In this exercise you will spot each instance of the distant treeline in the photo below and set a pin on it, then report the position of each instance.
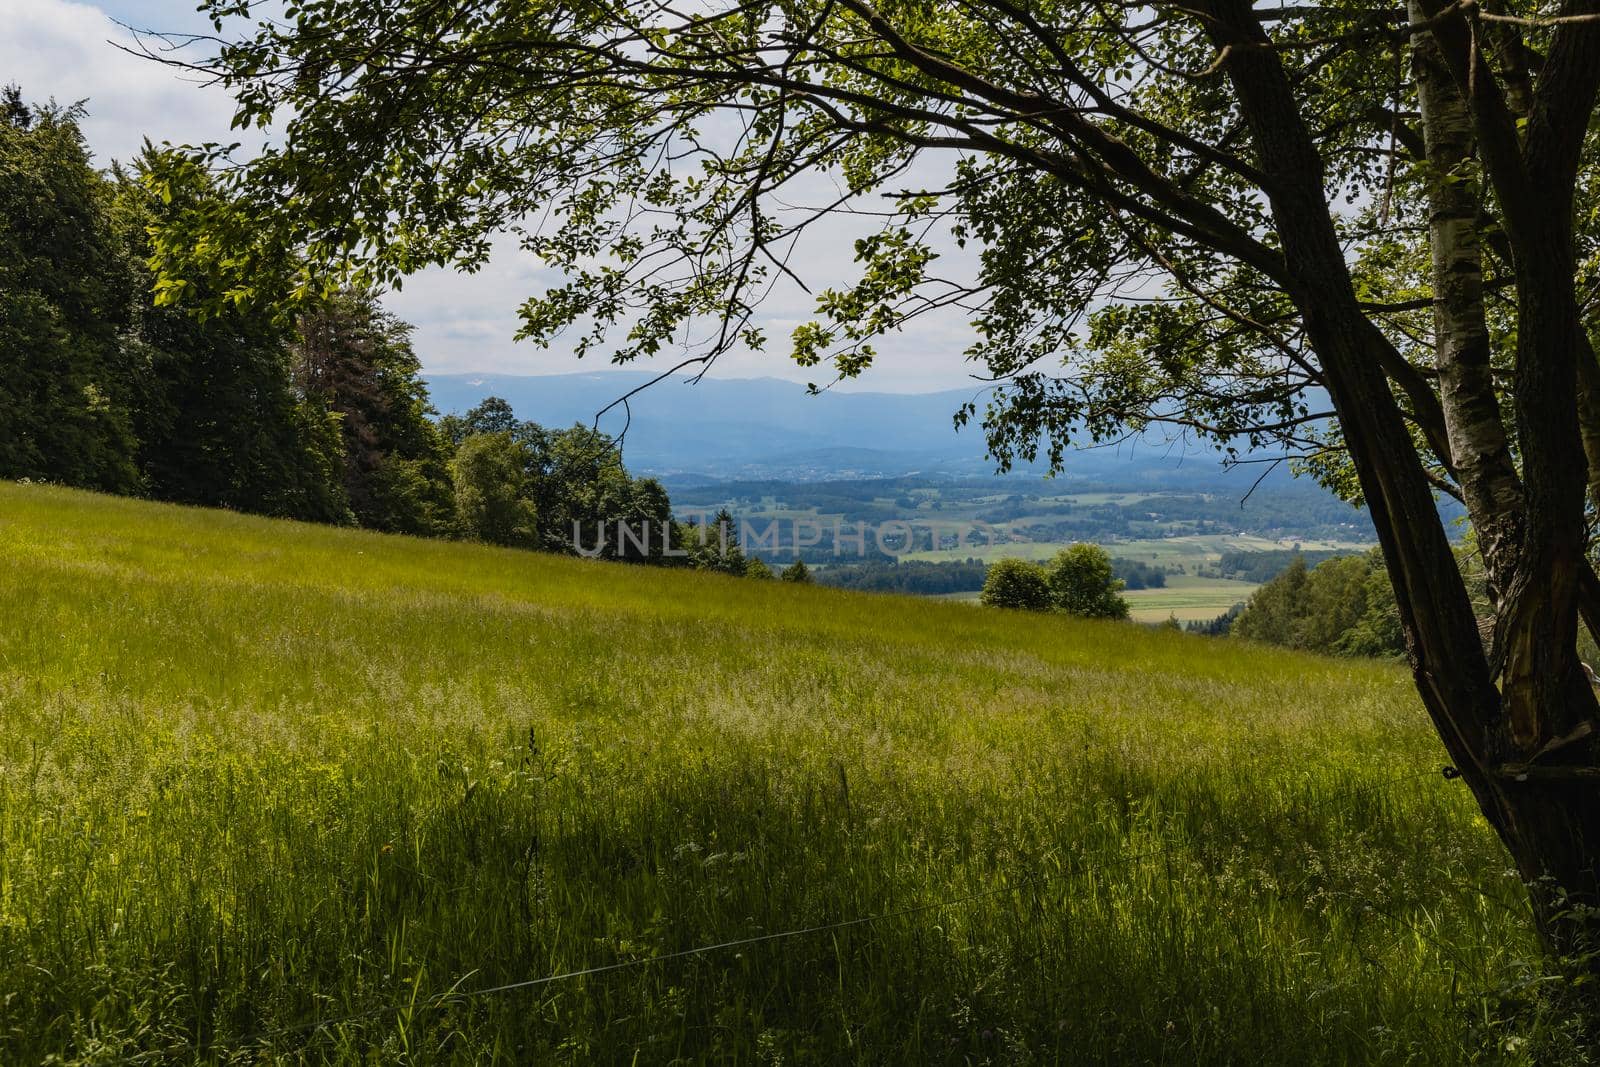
(1219, 626)
(312, 409)
(913, 576)
(1136, 574)
(1263, 565)
(925, 578)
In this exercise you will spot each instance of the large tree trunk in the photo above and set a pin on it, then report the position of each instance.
(1526, 754)
(1551, 710)
(1550, 721)
(1549, 819)
(1480, 454)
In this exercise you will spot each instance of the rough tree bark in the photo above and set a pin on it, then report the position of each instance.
(1525, 749)
(1480, 453)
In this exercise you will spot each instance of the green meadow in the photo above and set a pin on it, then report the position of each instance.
(282, 793)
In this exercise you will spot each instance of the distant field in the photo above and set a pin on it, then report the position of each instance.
(1191, 550)
(1127, 499)
(964, 597)
(1191, 599)
(275, 793)
(1187, 597)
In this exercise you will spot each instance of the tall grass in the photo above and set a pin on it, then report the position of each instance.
(255, 776)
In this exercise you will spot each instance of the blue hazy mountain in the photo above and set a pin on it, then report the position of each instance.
(727, 429)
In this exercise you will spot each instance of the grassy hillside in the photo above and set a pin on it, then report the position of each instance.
(257, 776)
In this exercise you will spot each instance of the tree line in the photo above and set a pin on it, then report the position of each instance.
(318, 414)
(1263, 565)
(917, 577)
(1342, 604)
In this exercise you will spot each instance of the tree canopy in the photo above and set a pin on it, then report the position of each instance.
(310, 407)
(1342, 606)
(1083, 583)
(1018, 584)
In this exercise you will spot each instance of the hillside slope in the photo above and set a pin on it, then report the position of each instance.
(269, 788)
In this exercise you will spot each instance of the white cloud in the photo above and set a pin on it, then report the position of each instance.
(54, 48)
(465, 322)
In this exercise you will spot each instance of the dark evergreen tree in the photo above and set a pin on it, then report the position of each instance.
(65, 296)
(355, 360)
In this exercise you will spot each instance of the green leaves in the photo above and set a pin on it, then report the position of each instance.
(1017, 584)
(1082, 583)
(1078, 581)
(672, 168)
(895, 266)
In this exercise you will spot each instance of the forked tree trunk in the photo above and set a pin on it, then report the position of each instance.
(1550, 824)
(1526, 748)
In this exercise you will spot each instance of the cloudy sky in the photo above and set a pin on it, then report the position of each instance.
(66, 50)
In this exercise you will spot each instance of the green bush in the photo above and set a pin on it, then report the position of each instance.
(1016, 584)
(1082, 583)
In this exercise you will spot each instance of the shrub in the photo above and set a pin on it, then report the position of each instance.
(1082, 583)
(1017, 584)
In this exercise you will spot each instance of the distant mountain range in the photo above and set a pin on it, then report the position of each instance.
(741, 429)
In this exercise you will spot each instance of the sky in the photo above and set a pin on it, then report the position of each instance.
(464, 323)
